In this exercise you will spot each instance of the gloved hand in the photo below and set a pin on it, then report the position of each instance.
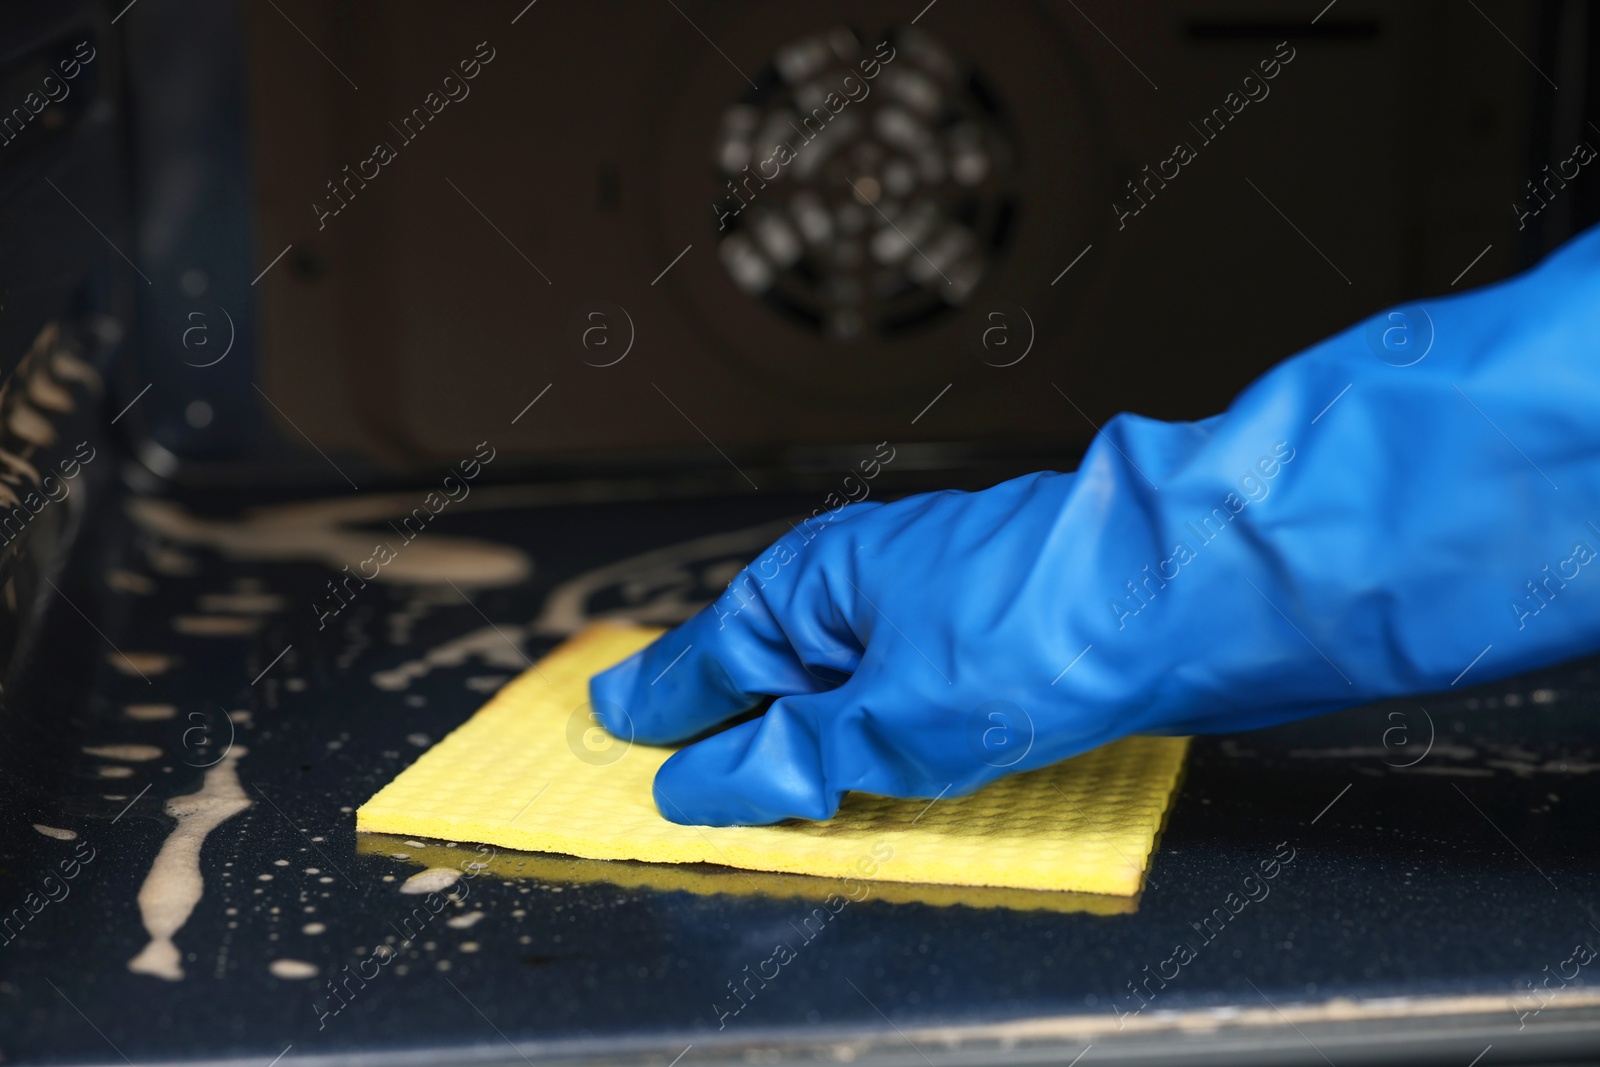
(1350, 529)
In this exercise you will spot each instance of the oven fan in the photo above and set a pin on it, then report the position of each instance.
(860, 207)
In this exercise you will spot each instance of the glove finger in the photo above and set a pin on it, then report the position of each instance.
(758, 772)
(801, 757)
(775, 631)
(702, 674)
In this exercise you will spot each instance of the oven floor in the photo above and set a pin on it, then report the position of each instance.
(1441, 851)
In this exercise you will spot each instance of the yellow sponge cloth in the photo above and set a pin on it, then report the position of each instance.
(532, 771)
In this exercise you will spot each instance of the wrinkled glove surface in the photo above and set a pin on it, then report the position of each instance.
(1408, 504)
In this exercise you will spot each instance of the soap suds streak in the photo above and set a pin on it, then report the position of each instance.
(175, 885)
(124, 581)
(216, 625)
(292, 969)
(240, 603)
(131, 753)
(432, 880)
(327, 532)
(150, 712)
(665, 585)
(493, 645)
(141, 664)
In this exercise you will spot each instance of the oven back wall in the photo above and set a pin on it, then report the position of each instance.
(480, 204)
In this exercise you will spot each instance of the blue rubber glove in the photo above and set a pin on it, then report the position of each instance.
(1409, 504)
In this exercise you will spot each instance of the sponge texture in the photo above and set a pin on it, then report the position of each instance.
(532, 771)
